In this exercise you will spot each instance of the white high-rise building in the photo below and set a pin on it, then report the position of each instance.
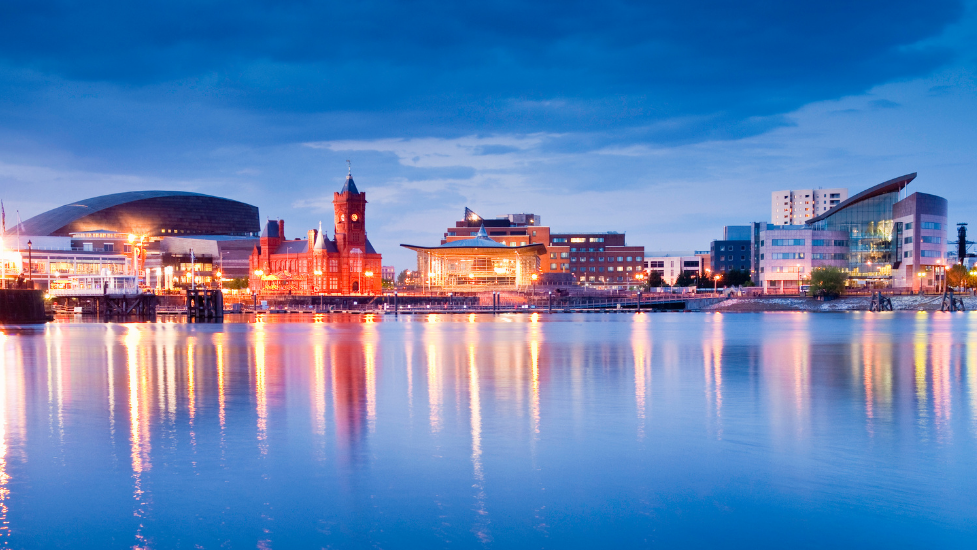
(796, 206)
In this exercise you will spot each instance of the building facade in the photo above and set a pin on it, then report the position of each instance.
(670, 265)
(920, 241)
(788, 254)
(602, 259)
(347, 264)
(796, 206)
(477, 263)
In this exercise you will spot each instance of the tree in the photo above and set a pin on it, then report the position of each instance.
(827, 281)
(685, 279)
(238, 283)
(958, 276)
(402, 276)
(655, 279)
(735, 277)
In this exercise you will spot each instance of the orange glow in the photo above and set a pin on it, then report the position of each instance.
(260, 391)
(433, 388)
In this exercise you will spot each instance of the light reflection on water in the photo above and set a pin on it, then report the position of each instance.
(785, 429)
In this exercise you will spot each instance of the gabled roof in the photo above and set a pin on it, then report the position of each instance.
(892, 186)
(293, 247)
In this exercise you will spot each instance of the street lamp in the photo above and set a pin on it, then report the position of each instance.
(369, 276)
(30, 263)
(798, 279)
(534, 277)
(921, 275)
(715, 284)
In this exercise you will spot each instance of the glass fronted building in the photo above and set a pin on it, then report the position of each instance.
(867, 220)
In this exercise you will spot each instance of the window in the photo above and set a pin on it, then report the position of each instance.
(522, 243)
(573, 259)
(930, 240)
(573, 250)
(620, 259)
(742, 247)
(722, 258)
(841, 243)
(688, 263)
(552, 266)
(333, 266)
(559, 240)
(929, 253)
(787, 242)
(761, 256)
(552, 255)
(601, 269)
(909, 225)
(629, 259)
(629, 268)
(597, 239)
(87, 247)
(108, 247)
(534, 233)
(333, 283)
(564, 255)
(828, 256)
(578, 240)
(722, 248)
(907, 240)
(564, 266)
(658, 263)
(819, 242)
(593, 269)
(600, 259)
(787, 256)
(930, 225)
(573, 269)
(620, 268)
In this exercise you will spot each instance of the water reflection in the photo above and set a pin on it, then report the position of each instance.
(527, 417)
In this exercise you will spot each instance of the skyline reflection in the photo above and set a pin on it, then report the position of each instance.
(268, 420)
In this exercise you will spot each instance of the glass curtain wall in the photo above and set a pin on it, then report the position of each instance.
(870, 235)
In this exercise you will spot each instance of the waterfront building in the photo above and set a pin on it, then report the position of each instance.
(346, 264)
(48, 260)
(880, 244)
(388, 273)
(920, 241)
(478, 263)
(879, 236)
(601, 259)
(796, 206)
(147, 214)
(789, 253)
(671, 264)
(733, 251)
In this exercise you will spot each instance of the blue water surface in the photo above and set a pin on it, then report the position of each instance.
(775, 430)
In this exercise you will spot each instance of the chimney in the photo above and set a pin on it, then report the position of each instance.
(312, 235)
(281, 229)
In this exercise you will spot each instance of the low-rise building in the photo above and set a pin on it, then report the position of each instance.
(671, 264)
(789, 253)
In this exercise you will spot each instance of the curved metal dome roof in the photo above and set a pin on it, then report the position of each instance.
(150, 213)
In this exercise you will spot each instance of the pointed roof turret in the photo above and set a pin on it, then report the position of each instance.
(350, 187)
(320, 240)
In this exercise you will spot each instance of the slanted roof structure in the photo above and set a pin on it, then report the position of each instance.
(891, 186)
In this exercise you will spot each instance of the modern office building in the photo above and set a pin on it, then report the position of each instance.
(789, 253)
(796, 206)
(733, 251)
(671, 264)
(879, 236)
(878, 239)
(478, 263)
(920, 239)
(346, 264)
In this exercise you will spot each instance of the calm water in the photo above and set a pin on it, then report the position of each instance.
(576, 431)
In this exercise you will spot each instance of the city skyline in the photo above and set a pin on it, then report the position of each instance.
(267, 110)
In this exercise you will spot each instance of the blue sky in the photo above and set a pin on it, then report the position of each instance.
(663, 120)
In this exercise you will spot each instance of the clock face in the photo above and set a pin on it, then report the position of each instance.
(354, 217)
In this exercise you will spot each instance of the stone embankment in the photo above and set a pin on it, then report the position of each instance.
(845, 303)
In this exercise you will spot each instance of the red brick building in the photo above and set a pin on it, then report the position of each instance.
(346, 264)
